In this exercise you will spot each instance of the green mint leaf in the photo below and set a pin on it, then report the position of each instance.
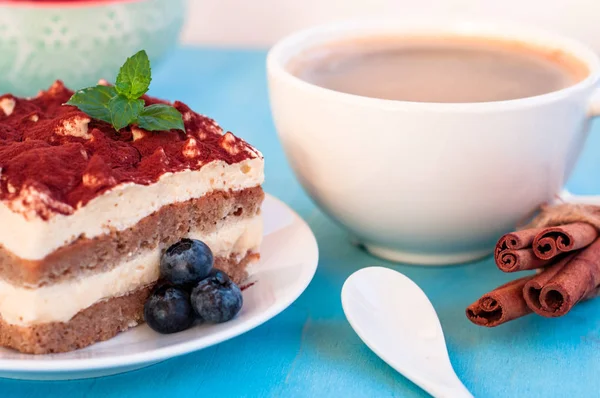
(134, 76)
(160, 117)
(124, 111)
(94, 101)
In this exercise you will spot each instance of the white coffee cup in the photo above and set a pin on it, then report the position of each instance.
(429, 183)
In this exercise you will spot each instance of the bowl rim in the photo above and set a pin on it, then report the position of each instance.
(62, 3)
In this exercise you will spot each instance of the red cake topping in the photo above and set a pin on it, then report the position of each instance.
(55, 158)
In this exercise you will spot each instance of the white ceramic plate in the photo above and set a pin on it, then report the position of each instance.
(289, 257)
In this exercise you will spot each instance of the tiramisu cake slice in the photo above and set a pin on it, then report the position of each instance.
(86, 211)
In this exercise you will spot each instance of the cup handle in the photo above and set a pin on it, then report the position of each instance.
(567, 197)
(595, 104)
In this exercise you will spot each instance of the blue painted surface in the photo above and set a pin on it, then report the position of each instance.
(310, 350)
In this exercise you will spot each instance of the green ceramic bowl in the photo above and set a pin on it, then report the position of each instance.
(80, 41)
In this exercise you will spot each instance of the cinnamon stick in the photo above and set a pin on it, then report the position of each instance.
(519, 260)
(556, 290)
(533, 289)
(501, 305)
(518, 239)
(565, 238)
(513, 251)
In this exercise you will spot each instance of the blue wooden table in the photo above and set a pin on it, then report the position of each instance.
(310, 350)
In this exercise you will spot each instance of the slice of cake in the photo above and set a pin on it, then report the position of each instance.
(86, 211)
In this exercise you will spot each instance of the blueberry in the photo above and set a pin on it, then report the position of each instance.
(217, 299)
(186, 262)
(168, 310)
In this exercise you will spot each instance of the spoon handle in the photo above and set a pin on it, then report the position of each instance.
(453, 390)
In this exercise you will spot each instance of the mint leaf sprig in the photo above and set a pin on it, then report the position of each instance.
(121, 106)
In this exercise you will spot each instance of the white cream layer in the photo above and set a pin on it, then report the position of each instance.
(33, 238)
(60, 302)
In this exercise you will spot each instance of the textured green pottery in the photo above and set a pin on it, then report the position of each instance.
(80, 42)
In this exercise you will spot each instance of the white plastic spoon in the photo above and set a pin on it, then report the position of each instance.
(396, 320)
